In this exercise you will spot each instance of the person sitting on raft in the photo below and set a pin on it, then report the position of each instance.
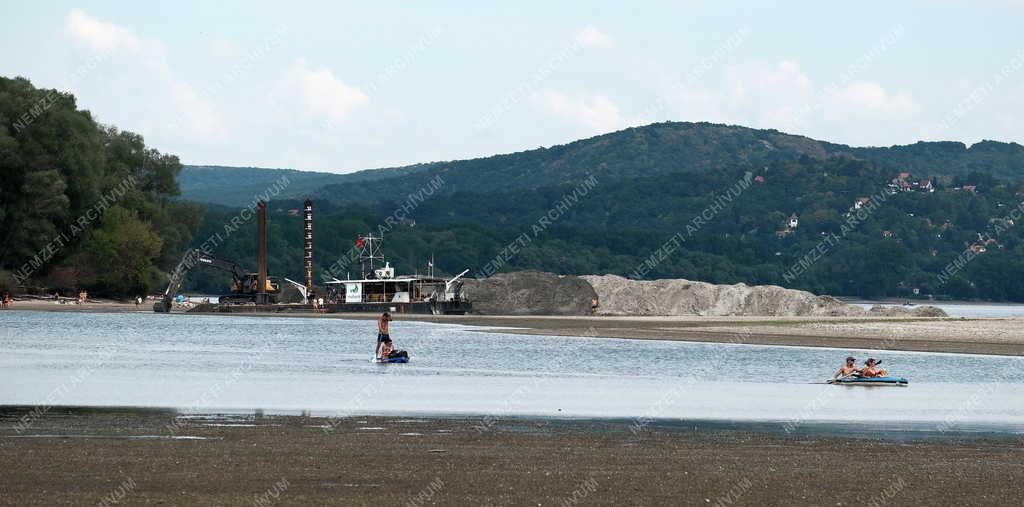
(869, 369)
(848, 370)
(384, 344)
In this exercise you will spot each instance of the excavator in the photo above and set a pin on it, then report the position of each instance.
(243, 283)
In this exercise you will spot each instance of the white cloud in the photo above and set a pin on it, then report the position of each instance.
(592, 37)
(100, 35)
(870, 96)
(783, 96)
(597, 112)
(322, 93)
(192, 113)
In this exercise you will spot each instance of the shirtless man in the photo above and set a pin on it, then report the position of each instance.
(847, 370)
(384, 344)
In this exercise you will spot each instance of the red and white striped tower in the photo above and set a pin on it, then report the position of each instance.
(307, 232)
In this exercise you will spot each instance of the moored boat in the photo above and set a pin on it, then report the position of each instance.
(379, 290)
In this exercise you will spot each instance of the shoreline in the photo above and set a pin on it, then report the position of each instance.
(83, 455)
(980, 335)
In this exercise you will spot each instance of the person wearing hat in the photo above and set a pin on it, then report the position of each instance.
(847, 370)
(869, 369)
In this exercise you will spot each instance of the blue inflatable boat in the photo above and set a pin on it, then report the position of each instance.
(404, 359)
(869, 381)
(398, 356)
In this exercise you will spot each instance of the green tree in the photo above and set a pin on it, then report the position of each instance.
(130, 245)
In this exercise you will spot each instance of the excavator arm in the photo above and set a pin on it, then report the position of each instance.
(191, 259)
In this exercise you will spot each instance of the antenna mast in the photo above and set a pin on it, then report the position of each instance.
(369, 251)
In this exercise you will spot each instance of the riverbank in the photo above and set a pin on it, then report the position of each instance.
(156, 456)
(47, 305)
(995, 336)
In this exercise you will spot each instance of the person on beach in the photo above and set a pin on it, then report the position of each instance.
(847, 370)
(870, 370)
(384, 344)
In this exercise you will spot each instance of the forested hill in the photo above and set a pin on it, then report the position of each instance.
(652, 150)
(939, 220)
(837, 226)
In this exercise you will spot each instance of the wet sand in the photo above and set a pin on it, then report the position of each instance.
(46, 305)
(998, 336)
(88, 456)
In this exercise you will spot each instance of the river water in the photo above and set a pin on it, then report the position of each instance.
(204, 363)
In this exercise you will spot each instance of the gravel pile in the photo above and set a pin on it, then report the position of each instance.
(540, 293)
(899, 311)
(530, 293)
(621, 296)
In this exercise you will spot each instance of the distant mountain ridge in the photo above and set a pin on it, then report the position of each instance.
(651, 150)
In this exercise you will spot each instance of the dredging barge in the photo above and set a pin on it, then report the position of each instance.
(377, 289)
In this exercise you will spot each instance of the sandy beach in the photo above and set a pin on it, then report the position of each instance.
(998, 336)
(154, 457)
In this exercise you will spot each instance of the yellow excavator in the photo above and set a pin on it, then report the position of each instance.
(243, 283)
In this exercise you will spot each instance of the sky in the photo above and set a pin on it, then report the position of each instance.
(343, 86)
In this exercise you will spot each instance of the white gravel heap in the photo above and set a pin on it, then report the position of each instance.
(621, 296)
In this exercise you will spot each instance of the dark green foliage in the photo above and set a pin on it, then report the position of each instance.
(83, 205)
(654, 180)
(620, 223)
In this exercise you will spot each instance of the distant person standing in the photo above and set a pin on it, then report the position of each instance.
(384, 344)
(320, 303)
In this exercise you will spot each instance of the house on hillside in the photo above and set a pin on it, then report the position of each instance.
(788, 227)
(904, 182)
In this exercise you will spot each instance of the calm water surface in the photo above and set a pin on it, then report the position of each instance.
(323, 365)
